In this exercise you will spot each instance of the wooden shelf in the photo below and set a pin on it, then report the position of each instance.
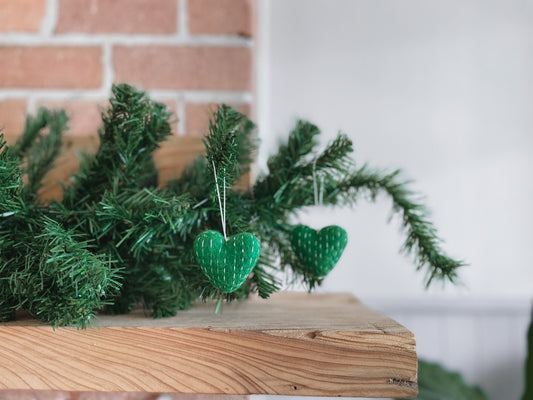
(290, 344)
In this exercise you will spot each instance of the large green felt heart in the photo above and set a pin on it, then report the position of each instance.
(319, 251)
(227, 264)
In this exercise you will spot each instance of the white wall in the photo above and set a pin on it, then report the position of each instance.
(442, 89)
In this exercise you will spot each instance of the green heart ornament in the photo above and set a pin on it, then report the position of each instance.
(319, 251)
(227, 263)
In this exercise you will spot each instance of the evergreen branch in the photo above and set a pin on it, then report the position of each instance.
(228, 147)
(145, 221)
(289, 186)
(228, 144)
(11, 204)
(279, 242)
(281, 175)
(40, 149)
(336, 155)
(421, 237)
(32, 129)
(11, 185)
(63, 281)
(247, 145)
(150, 232)
(159, 283)
(115, 241)
(133, 128)
(43, 152)
(262, 281)
(301, 142)
(296, 191)
(193, 180)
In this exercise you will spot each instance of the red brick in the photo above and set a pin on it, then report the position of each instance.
(21, 15)
(186, 68)
(230, 17)
(50, 67)
(197, 116)
(12, 116)
(117, 16)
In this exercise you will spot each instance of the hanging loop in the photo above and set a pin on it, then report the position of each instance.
(222, 208)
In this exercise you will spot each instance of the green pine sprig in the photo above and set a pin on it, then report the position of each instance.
(228, 144)
(292, 188)
(117, 239)
(421, 235)
(72, 281)
(40, 145)
(133, 128)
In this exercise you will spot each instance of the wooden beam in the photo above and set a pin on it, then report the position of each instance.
(291, 344)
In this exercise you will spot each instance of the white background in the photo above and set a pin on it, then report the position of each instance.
(444, 91)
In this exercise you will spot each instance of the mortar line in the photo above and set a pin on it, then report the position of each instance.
(185, 96)
(53, 94)
(107, 66)
(77, 39)
(183, 19)
(31, 105)
(49, 21)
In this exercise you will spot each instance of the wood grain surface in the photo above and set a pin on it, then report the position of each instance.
(291, 344)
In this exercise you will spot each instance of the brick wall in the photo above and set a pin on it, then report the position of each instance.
(67, 53)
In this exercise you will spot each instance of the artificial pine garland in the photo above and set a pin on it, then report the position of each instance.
(117, 238)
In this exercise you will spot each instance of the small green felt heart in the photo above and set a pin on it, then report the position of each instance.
(319, 251)
(227, 264)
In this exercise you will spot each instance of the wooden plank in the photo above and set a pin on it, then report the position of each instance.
(291, 344)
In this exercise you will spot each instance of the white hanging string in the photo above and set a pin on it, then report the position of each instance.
(321, 192)
(222, 210)
(318, 193)
(224, 206)
(315, 190)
